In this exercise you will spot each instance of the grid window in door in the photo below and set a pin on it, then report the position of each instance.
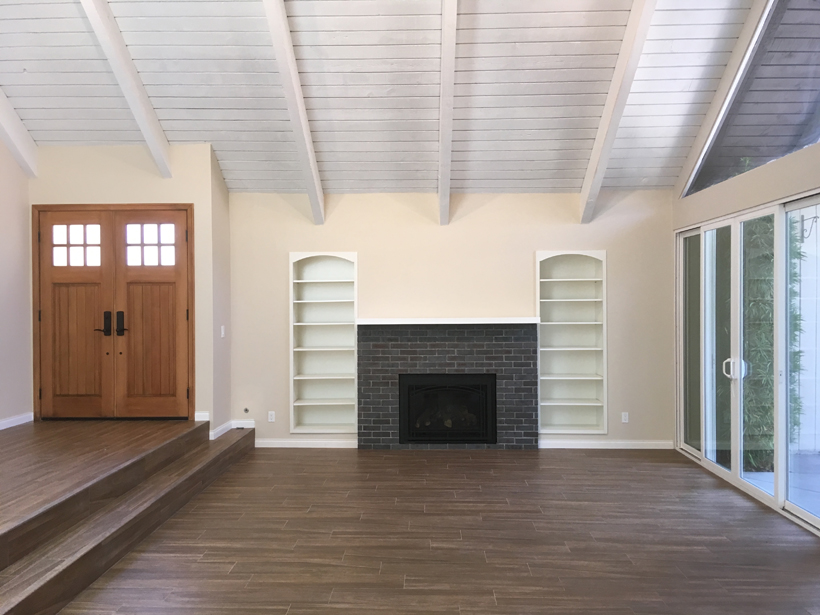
(150, 245)
(75, 245)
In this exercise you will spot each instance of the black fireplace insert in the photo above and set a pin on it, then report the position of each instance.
(447, 408)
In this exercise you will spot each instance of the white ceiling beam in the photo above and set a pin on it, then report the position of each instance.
(640, 18)
(122, 65)
(289, 73)
(17, 138)
(449, 19)
(739, 63)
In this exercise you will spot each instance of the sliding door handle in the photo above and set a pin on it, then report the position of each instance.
(106, 330)
(121, 323)
(730, 374)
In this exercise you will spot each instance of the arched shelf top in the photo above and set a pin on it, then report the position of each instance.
(324, 268)
(577, 266)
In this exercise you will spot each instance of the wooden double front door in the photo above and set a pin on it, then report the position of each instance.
(113, 312)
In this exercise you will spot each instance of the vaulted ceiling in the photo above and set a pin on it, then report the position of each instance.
(343, 96)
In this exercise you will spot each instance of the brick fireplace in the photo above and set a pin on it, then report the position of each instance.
(507, 349)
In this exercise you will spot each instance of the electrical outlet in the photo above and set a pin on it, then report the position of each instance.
(271, 416)
(624, 417)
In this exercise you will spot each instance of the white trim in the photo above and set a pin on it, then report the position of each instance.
(122, 65)
(449, 20)
(226, 427)
(291, 84)
(637, 28)
(304, 443)
(202, 416)
(606, 444)
(19, 419)
(17, 138)
(513, 320)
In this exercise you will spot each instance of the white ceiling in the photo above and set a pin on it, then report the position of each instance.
(532, 78)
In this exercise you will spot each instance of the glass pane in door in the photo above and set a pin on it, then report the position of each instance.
(691, 341)
(803, 358)
(757, 376)
(717, 339)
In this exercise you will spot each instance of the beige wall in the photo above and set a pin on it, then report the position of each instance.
(221, 241)
(15, 290)
(127, 174)
(482, 264)
(789, 177)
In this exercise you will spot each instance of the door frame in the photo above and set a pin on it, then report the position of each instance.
(35, 269)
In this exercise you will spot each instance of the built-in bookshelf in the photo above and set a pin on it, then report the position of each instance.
(572, 342)
(323, 343)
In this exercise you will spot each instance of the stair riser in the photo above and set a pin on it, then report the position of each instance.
(59, 590)
(50, 523)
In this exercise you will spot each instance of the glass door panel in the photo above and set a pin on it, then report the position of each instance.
(757, 351)
(717, 298)
(803, 358)
(691, 341)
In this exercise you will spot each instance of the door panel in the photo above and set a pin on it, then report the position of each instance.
(151, 340)
(76, 285)
(152, 291)
(717, 338)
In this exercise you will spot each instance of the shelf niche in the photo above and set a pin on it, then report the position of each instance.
(571, 297)
(323, 343)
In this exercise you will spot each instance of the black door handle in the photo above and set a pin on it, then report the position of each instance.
(106, 330)
(121, 323)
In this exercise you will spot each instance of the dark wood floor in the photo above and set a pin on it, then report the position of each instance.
(302, 532)
(45, 461)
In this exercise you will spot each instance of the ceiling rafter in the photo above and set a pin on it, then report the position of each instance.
(122, 65)
(736, 69)
(17, 138)
(289, 73)
(449, 20)
(637, 28)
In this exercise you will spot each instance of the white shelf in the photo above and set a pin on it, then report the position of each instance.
(344, 401)
(323, 324)
(324, 281)
(324, 349)
(572, 280)
(325, 301)
(568, 348)
(571, 300)
(323, 343)
(572, 377)
(558, 322)
(572, 402)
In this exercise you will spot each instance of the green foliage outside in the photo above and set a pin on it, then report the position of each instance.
(758, 340)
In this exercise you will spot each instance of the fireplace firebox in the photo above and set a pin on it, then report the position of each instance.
(447, 408)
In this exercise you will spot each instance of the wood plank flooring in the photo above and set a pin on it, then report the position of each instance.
(303, 532)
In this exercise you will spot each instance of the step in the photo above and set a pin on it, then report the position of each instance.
(39, 526)
(47, 579)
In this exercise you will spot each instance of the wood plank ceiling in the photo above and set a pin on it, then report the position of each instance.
(531, 80)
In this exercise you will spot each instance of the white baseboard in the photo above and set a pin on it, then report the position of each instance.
(19, 419)
(605, 444)
(202, 416)
(225, 427)
(304, 443)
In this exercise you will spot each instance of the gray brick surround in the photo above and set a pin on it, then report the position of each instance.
(508, 350)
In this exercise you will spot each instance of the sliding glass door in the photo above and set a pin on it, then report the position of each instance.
(803, 360)
(734, 302)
